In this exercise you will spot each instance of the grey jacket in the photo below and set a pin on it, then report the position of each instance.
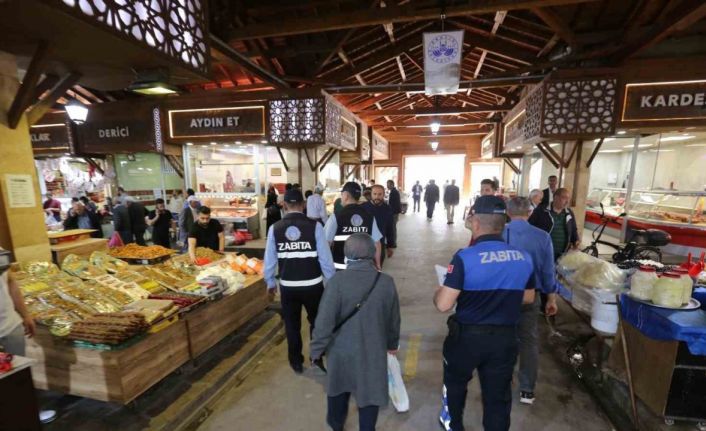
(357, 355)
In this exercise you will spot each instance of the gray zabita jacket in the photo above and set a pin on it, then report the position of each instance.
(357, 354)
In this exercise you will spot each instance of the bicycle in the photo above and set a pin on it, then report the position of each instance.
(643, 243)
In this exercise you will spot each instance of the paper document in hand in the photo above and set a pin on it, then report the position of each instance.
(441, 273)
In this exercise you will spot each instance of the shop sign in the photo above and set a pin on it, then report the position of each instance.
(49, 137)
(365, 149)
(217, 123)
(664, 101)
(118, 128)
(349, 135)
(381, 148)
(514, 131)
(486, 146)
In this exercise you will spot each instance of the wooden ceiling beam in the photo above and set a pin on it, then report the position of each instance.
(687, 13)
(451, 110)
(374, 60)
(556, 23)
(425, 123)
(23, 97)
(224, 51)
(428, 135)
(390, 14)
(44, 105)
(494, 45)
(45, 85)
(504, 81)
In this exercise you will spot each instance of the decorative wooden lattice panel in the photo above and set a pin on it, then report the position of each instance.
(333, 124)
(579, 107)
(297, 121)
(176, 28)
(533, 113)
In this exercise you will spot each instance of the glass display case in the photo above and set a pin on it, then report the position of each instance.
(654, 206)
(613, 201)
(239, 210)
(669, 207)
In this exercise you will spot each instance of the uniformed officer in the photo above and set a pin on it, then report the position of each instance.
(353, 218)
(297, 246)
(488, 282)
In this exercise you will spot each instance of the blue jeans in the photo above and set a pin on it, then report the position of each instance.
(493, 352)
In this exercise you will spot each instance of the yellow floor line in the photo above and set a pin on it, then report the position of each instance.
(412, 356)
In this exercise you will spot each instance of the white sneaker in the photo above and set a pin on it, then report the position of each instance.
(527, 397)
(46, 416)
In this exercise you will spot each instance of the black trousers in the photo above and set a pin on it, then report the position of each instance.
(383, 248)
(493, 352)
(292, 302)
(161, 238)
(338, 411)
(430, 209)
(415, 208)
(139, 237)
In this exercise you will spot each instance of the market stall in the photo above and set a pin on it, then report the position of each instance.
(111, 328)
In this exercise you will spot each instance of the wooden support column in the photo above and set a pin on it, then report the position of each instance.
(576, 178)
(21, 227)
(283, 159)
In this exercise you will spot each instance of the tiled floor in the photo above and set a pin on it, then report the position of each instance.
(273, 398)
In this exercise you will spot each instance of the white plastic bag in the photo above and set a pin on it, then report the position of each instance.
(395, 384)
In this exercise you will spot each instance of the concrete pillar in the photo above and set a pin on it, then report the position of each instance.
(308, 177)
(576, 179)
(21, 229)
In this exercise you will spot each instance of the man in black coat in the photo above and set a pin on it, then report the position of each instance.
(451, 199)
(137, 213)
(431, 197)
(559, 221)
(395, 201)
(81, 218)
(548, 193)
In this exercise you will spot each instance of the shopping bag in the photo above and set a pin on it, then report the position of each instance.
(115, 241)
(398, 393)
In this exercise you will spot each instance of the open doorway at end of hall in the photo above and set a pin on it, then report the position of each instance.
(440, 168)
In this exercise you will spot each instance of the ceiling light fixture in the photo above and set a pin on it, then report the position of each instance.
(611, 151)
(435, 126)
(77, 112)
(622, 132)
(153, 82)
(434, 145)
(189, 144)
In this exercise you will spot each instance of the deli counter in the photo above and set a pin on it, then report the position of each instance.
(240, 210)
(680, 213)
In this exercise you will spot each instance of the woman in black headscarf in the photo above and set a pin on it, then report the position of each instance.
(272, 208)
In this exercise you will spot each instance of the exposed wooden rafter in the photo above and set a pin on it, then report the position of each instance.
(390, 14)
(450, 110)
(23, 98)
(44, 105)
(556, 23)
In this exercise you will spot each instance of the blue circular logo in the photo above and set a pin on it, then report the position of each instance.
(356, 220)
(442, 49)
(292, 233)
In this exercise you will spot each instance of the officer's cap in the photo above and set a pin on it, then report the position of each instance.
(489, 205)
(293, 196)
(353, 188)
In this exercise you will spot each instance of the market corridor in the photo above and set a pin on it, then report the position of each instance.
(273, 398)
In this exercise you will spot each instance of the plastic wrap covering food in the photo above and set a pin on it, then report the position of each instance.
(114, 295)
(80, 267)
(600, 275)
(57, 320)
(107, 262)
(131, 289)
(32, 285)
(233, 279)
(573, 260)
(85, 296)
(79, 310)
(41, 268)
(134, 251)
(668, 291)
(113, 328)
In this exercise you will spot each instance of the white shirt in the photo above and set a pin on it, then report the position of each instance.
(316, 208)
(9, 318)
(176, 205)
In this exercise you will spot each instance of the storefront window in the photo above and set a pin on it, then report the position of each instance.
(329, 177)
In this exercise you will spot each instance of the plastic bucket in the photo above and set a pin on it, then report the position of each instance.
(604, 313)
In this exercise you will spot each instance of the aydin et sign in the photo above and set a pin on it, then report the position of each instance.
(664, 101)
(240, 121)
